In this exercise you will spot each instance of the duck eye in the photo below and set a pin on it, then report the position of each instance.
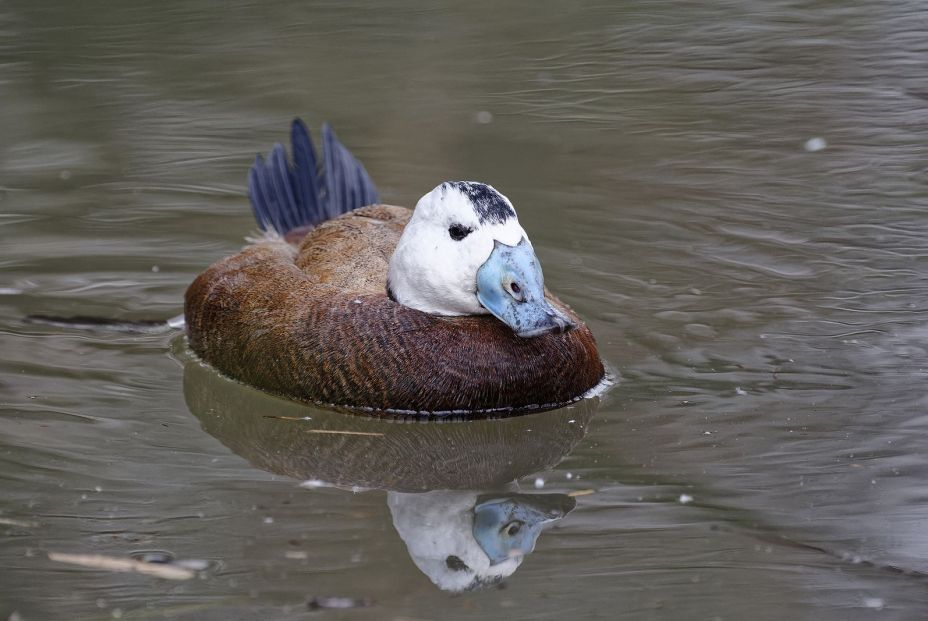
(459, 231)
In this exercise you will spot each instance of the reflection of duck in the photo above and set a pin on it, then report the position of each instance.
(460, 538)
(463, 541)
(352, 451)
(383, 308)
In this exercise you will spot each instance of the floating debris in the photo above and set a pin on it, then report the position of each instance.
(539, 483)
(581, 492)
(168, 571)
(344, 433)
(289, 417)
(319, 603)
(685, 499)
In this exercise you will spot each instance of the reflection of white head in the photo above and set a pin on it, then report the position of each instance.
(438, 528)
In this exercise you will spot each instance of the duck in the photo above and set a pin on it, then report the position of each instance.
(346, 302)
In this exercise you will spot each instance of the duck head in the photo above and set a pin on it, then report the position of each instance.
(463, 252)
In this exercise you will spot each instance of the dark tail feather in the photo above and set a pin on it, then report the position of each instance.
(306, 173)
(286, 196)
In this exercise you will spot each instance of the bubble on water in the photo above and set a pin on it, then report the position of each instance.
(539, 483)
(194, 564)
(876, 603)
(318, 603)
(815, 144)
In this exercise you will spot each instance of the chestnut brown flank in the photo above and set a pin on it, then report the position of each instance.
(315, 324)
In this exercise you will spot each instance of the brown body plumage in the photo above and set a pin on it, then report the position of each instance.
(309, 319)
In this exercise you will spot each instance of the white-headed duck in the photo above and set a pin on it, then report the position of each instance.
(351, 303)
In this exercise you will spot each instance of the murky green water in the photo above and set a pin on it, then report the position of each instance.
(762, 302)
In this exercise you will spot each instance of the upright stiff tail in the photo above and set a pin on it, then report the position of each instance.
(286, 196)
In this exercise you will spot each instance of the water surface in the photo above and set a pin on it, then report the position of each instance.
(760, 298)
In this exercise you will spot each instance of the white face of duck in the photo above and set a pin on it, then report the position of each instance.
(463, 252)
